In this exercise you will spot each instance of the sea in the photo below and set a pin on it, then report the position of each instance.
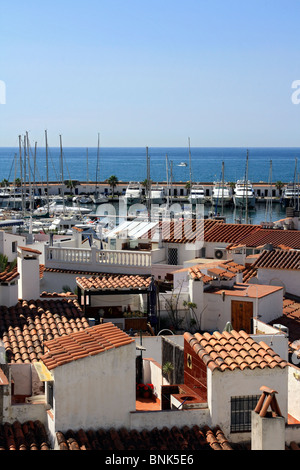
(203, 164)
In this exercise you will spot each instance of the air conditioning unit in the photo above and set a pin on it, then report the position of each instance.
(282, 328)
(220, 253)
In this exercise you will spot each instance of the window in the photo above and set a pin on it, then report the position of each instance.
(173, 256)
(50, 393)
(14, 247)
(241, 408)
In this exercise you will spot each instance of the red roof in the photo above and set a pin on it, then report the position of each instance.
(234, 350)
(229, 233)
(278, 259)
(261, 237)
(88, 342)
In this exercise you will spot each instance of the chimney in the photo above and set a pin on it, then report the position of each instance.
(267, 427)
(29, 270)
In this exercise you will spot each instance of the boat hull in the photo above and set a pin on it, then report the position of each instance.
(242, 201)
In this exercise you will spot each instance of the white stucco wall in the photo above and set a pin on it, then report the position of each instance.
(96, 391)
(9, 294)
(224, 385)
(29, 281)
(294, 391)
(289, 279)
(6, 240)
(218, 312)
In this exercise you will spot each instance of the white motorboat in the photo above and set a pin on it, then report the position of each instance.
(62, 224)
(56, 209)
(182, 164)
(84, 199)
(133, 193)
(244, 194)
(100, 199)
(197, 194)
(157, 195)
(291, 195)
(221, 194)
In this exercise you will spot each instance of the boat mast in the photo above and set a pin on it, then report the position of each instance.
(62, 174)
(222, 187)
(294, 189)
(47, 173)
(246, 182)
(87, 165)
(167, 173)
(15, 180)
(21, 172)
(97, 165)
(270, 198)
(190, 163)
(30, 190)
(148, 186)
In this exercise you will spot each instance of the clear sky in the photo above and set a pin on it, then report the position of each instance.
(150, 73)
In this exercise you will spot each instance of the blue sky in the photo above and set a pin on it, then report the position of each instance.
(150, 73)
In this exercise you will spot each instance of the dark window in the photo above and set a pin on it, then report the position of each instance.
(173, 256)
(14, 247)
(241, 408)
(50, 393)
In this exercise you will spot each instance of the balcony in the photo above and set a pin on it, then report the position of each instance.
(96, 260)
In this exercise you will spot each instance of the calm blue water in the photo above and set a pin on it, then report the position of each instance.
(129, 164)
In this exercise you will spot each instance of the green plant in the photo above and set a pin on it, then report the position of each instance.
(3, 262)
(112, 181)
(167, 370)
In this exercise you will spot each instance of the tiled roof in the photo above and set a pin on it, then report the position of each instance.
(9, 274)
(234, 350)
(229, 233)
(175, 439)
(30, 435)
(29, 250)
(279, 259)
(261, 237)
(113, 281)
(196, 273)
(182, 231)
(25, 327)
(224, 269)
(88, 342)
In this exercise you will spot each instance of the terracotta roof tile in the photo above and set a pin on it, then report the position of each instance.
(25, 327)
(30, 250)
(177, 439)
(9, 274)
(278, 259)
(30, 435)
(230, 233)
(114, 281)
(88, 342)
(229, 351)
(275, 237)
(181, 231)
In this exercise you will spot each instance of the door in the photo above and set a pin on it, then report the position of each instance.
(241, 315)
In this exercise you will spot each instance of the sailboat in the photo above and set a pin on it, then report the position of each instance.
(244, 195)
(221, 193)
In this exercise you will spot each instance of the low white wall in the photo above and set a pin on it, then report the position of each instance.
(25, 412)
(140, 420)
(287, 278)
(294, 391)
